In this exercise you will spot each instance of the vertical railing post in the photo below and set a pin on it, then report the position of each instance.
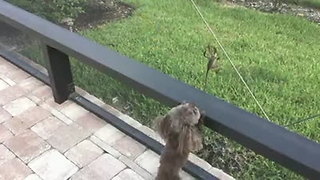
(59, 69)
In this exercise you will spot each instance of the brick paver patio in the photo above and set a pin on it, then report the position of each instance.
(40, 139)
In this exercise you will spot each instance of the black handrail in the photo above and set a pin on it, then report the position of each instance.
(266, 138)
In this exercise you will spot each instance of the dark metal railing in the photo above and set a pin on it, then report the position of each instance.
(274, 142)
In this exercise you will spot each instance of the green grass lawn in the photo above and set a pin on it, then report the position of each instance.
(278, 55)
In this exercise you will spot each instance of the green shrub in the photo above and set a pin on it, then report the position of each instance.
(54, 10)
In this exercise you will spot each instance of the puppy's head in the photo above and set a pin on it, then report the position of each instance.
(182, 122)
(184, 114)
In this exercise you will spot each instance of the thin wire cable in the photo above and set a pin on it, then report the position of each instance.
(234, 67)
(303, 120)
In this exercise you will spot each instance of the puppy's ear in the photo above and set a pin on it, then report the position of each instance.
(195, 141)
(190, 139)
(162, 125)
(183, 139)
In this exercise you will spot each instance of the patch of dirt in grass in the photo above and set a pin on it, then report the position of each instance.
(310, 13)
(94, 15)
(99, 14)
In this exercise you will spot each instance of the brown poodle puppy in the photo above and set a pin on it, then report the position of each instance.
(180, 129)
